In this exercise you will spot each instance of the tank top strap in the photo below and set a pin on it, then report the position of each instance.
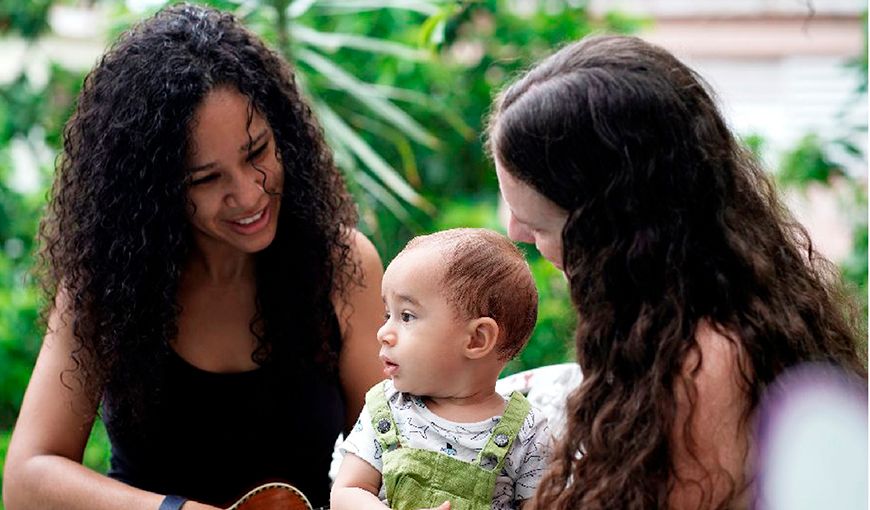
(504, 433)
(382, 417)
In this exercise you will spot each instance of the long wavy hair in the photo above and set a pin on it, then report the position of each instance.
(116, 235)
(671, 223)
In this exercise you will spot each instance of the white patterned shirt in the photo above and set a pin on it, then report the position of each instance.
(418, 427)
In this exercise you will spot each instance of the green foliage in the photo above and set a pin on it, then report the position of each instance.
(808, 163)
(98, 451)
(5, 435)
(859, 64)
(28, 19)
(32, 116)
(19, 303)
(19, 337)
(755, 143)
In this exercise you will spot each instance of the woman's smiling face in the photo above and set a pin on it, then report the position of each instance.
(235, 177)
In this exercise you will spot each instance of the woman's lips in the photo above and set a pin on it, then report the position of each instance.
(254, 226)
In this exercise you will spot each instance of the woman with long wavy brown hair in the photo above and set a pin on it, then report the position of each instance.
(694, 287)
(207, 288)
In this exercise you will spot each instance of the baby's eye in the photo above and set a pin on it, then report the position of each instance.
(386, 316)
(406, 317)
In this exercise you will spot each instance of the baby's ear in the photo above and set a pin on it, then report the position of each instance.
(482, 337)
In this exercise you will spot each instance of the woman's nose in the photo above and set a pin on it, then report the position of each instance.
(519, 232)
(246, 189)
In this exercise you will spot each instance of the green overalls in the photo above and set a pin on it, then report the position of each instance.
(415, 478)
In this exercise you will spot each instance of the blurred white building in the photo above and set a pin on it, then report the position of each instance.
(780, 67)
(781, 70)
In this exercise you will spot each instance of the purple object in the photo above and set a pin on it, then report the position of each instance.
(812, 441)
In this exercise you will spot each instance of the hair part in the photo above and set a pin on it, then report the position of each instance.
(485, 275)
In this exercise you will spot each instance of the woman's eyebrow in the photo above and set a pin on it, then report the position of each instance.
(253, 141)
(199, 168)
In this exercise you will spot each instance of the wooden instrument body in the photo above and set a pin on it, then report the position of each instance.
(273, 496)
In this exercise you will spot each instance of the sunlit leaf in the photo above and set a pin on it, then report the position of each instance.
(367, 95)
(432, 30)
(339, 132)
(334, 41)
(299, 7)
(356, 6)
(379, 193)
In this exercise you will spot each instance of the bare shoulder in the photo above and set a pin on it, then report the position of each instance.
(719, 364)
(367, 269)
(365, 253)
(360, 311)
(711, 402)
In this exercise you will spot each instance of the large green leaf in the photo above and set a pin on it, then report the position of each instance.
(340, 134)
(367, 95)
(357, 6)
(334, 41)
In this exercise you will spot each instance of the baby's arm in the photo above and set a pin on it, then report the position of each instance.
(356, 486)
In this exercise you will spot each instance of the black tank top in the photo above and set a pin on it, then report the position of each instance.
(211, 437)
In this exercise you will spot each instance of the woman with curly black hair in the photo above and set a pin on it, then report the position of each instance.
(211, 295)
(693, 286)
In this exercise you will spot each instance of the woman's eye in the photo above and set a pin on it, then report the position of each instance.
(203, 179)
(258, 153)
(386, 316)
(406, 317)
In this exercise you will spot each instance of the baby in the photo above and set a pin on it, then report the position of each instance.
(459, 305)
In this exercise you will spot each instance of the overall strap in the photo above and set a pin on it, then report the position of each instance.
(504, 434)
(382, 417)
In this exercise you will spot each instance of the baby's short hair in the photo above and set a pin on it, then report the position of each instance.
(485, 275)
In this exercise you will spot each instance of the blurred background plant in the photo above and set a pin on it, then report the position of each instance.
(402, 89)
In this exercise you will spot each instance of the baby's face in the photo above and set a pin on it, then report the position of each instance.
(422, 339)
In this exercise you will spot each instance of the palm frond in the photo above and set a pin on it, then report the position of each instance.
(428, 8)
(339, 133)
(334, 41)
(367, 95)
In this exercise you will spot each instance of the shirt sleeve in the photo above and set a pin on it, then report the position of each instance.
(362, 441)
(529, 455)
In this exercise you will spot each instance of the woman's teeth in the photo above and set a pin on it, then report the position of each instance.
(250, 219)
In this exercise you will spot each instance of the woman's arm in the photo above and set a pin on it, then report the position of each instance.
(720, 437)
(43, 465)
(360, 313)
